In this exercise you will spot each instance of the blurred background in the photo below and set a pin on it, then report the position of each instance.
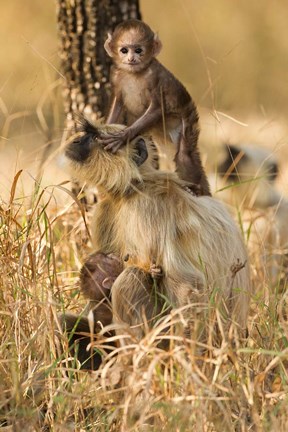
(231, 55)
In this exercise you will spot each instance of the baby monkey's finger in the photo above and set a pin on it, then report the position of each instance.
(113, 146)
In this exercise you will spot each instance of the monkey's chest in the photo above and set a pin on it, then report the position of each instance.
(142, 236)
(135, 96)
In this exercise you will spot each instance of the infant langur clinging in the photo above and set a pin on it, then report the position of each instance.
(155, 101)
(159, 231)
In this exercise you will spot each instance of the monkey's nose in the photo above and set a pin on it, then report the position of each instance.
(131, 59)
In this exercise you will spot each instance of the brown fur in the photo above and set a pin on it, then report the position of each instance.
(96, 279)
(149, 216)
(97, 276)
(156, 102)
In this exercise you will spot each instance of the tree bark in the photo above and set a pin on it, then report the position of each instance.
(83, 26)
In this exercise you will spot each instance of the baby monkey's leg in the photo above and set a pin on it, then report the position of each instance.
(188, 161)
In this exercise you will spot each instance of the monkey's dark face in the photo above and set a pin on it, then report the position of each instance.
(114, 173)
(86, 145)
(244, 163)
(80, 149)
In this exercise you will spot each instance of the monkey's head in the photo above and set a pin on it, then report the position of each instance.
(132, 45)
(242, 163)
(254, 171)
(113, 173)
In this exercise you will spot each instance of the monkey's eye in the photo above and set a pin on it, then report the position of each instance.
(138, 50)
(124, 50)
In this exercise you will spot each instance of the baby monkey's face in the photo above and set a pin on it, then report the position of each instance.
(133, 52)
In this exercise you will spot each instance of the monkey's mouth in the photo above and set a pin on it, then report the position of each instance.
(132, 64)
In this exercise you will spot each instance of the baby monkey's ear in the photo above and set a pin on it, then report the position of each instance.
(107, 45)
(157, 45)
(141, 153)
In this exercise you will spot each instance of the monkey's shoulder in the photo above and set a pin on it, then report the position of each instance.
(165, 82)
(171, 87)
(164, 190)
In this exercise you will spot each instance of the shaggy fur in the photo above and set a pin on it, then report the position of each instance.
(148, 218)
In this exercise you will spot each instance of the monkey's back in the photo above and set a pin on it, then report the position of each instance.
(192, 238)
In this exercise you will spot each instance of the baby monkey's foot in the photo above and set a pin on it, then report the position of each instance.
(193, 189)
(112, 142)
(156, 271)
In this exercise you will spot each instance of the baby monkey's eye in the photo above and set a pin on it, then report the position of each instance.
(124, 50)
(138, 50)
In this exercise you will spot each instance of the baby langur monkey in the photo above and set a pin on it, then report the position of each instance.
(150, 222)
(97, 276)
(155, 101)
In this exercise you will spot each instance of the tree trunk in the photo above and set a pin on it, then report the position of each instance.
(83, 26)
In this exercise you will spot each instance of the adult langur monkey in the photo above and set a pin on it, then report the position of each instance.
(158, 231)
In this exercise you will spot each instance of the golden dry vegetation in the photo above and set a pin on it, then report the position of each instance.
(232, 56)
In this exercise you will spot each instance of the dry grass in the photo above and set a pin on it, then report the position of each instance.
(227, 387)
(43, 237)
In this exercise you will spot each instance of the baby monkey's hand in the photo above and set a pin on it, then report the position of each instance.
(156, 271)
(114, 141)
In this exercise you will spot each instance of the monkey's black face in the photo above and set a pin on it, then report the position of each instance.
(272, 171)
(244, 163)
(231, 165)
(80, 149)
